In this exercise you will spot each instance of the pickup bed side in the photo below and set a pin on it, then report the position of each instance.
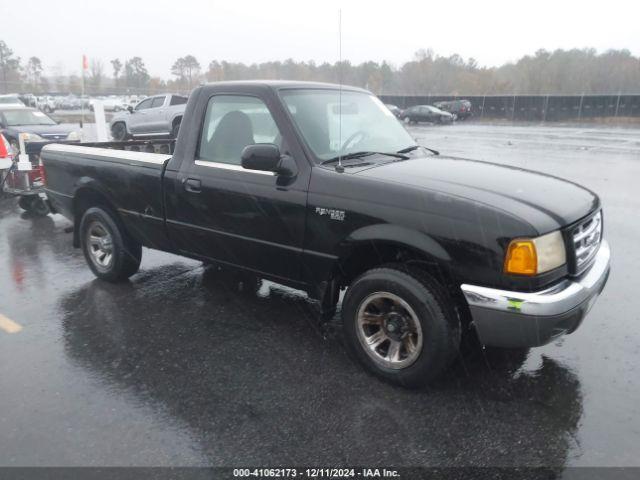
(127, 181)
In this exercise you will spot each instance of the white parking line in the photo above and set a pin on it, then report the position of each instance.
(9, 325)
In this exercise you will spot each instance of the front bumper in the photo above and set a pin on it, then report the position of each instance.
(517, 319)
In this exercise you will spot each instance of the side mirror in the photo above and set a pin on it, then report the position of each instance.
(261, 156)
(130, 108)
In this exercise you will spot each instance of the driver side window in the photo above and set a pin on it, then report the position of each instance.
(144, 104)
(231, 123)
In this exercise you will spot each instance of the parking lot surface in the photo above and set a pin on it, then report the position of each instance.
(186, 365)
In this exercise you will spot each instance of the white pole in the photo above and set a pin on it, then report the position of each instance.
(101, 121)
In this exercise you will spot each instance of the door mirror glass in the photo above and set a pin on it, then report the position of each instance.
(261, 156)
(130, 108)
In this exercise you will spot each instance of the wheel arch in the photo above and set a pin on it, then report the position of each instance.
(123, 121)
(88, 194)
(377, 245)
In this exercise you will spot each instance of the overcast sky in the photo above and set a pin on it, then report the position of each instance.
(493, 32)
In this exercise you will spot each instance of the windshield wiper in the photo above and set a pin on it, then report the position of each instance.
(415, 147)
(349, 156)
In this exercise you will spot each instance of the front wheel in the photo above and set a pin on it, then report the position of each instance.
(401, 325)
(110, 252)
(119, 132)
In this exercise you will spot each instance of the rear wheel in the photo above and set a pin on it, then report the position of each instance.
(34, 205)
(110, 252)
(176, 128)
(119, 132)
(401, 325)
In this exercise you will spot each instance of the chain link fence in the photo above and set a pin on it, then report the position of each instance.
(534, 107)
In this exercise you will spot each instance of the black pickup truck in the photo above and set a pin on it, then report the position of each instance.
(320, 188)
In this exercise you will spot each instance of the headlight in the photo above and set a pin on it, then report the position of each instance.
(31, 137)
(531, 256)
(73, 136)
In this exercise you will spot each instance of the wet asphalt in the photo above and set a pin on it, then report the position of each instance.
(187, 365)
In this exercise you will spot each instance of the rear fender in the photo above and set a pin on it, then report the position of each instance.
(89, 190)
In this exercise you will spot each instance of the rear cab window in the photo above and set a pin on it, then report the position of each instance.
(178, 100)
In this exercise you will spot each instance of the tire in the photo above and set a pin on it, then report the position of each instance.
(435, 343)
(24, 203)
(119, 132)
(34, 205)
(110, 238)
(176, 129)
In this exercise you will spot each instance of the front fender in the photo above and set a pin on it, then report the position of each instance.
(394, 234)
(121, 117)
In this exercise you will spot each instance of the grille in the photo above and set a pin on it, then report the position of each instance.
(586, 240)
(53, 136)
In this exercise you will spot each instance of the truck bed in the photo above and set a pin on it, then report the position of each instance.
(73, 170)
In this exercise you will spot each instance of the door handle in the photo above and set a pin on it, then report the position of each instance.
(192, 185)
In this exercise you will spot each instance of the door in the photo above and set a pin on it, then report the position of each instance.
(157, 123)
(221, 211)
(139, 117)
(425, 114)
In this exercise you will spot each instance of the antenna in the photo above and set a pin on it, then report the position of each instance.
(339, 167)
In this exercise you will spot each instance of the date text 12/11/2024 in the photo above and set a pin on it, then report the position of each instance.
(315, 473)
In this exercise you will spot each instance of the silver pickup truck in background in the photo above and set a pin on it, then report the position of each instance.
(156, 116)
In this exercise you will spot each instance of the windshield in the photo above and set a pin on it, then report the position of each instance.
(367, 125)
(10, 101)
(26, 117)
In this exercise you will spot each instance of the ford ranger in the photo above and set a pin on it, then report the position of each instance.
(320, 188)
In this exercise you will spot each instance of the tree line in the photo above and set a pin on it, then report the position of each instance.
(576, 71)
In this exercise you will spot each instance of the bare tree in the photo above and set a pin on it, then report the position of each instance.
(116, 64)
(96, 74)
(187, 69)
(34, 72)
(9, 66)
(136, 74)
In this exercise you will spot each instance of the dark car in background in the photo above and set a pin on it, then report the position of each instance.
(36, 125)
(461, 109)
(426, 113)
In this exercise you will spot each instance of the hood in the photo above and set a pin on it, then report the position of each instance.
(546, 202)
(49, 132)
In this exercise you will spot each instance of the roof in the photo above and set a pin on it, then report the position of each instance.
(284, 84)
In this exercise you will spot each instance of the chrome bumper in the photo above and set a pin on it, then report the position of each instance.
(515, 319)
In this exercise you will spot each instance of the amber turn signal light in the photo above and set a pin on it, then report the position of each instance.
(522, 258)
